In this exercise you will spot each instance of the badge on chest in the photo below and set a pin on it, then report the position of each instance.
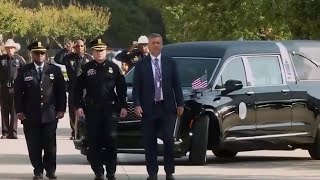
(3, 62)
(110, 70)
(72, 62)
(51, 76)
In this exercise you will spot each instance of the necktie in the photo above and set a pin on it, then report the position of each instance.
(39, 72)
(157, 80)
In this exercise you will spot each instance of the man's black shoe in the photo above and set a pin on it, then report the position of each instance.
(169, 177)
(52, 176)
(111, 177)
(37, 177)
(154, 177)
(12, 137)
(4, 136)
(99, 177)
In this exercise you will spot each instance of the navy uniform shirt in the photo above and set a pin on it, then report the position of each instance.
(9, 68)
(130, 57)
(104, 84)
(74, 63)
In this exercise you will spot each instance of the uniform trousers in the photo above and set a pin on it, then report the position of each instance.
(101, 125)
(8, 114)
(41, 139)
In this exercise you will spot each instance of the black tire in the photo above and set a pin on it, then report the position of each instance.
(199, 141)
(224, 153)
(314, 149)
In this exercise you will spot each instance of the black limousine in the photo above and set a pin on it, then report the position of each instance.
(259, 95)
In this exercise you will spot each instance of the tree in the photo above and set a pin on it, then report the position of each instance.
(230, 19)
(52, 22)
(14, 21)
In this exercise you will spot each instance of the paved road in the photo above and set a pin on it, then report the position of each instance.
(256, 165)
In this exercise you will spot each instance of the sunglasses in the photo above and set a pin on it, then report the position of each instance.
(39, 52)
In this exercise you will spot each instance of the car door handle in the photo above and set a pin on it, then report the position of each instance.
(249, 93)
(285, 90)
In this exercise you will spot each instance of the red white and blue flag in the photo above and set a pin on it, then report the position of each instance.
(200, 83)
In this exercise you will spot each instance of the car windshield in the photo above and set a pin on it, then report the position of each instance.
(189, 68)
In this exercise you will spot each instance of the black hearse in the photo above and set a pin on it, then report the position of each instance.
(259, 95)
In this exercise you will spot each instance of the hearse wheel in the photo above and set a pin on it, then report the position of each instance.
(314, 149)
(224, 153)
(199, 141)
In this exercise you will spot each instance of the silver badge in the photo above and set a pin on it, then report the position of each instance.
(51, 76)
(110, 70)
(3, 62)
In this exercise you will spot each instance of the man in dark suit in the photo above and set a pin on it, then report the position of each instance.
(40, 100)
(158, 99)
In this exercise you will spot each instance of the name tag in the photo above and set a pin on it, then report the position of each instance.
(28, 78)
(91, 72)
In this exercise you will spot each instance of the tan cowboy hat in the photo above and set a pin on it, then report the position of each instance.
(11, 43)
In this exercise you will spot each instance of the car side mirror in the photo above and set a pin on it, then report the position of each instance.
(232, 85)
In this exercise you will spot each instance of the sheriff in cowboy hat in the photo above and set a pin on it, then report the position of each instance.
(11, 44)
(9, 64)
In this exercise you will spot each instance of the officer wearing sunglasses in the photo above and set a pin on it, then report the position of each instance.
(74, 62)
(40, 101)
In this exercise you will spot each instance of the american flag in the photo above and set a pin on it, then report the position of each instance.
(200, 83)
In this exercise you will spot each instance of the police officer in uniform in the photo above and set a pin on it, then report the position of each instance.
(105, 98)
(131, 57)
(74, 62)
(68, 48)
(10, 62)
(40, 100)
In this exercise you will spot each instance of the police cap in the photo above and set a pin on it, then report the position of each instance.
(37, 46)
(98, 44)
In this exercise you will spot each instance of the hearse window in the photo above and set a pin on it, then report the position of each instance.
(189, 68)
(192, 68)
(265, 70)
(233, 71)
(305, 69)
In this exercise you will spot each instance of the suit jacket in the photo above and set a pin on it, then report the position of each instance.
(143, 85)
(40, 99)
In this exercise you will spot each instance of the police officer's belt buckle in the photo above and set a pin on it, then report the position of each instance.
(9, 85)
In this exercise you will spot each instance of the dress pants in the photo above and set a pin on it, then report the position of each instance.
(8, 114)
(159, 122)
(101, 125)
(72, 109)
(41, 137)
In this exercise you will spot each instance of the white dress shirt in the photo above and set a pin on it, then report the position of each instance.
(154, 71)
(37, 66)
